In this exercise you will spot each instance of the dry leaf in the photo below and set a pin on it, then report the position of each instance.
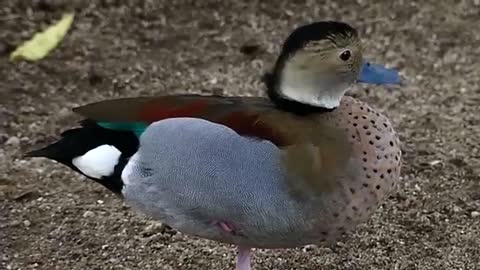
(42, 43)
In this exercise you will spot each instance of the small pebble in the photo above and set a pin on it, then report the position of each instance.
(88, 214)
(64, 113)
(475, 214)
(434, 162)
(153, 228)
(27, 223)
(308, 248)
(13, 141)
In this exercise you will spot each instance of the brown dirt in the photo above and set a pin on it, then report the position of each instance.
(50, 218)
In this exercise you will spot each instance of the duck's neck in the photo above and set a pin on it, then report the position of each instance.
(292, 105)
(299, 86)
(275, 93)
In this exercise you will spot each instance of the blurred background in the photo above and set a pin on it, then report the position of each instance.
(51, 219)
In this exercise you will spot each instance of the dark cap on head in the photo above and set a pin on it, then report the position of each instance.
(325, 30)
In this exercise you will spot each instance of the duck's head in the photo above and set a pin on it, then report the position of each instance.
(318, 63)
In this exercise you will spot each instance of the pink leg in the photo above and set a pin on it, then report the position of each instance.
(243, 258)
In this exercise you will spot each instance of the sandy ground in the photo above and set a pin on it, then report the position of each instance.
(51, 218)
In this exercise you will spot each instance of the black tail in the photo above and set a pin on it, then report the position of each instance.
(78, 141)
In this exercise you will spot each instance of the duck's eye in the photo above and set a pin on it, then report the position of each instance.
(345, 55)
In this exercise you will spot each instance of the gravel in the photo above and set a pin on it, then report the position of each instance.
(51, 218)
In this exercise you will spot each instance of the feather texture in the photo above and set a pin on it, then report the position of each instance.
(327, 145)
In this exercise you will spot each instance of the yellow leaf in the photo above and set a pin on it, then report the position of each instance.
(42, 43)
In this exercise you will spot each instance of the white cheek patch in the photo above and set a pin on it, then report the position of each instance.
(327, 100)
(98, 162)
(311, 88)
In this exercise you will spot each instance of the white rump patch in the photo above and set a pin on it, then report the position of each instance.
(129, 168)
(98, 162)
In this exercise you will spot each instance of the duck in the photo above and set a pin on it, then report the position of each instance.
(303, 165)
